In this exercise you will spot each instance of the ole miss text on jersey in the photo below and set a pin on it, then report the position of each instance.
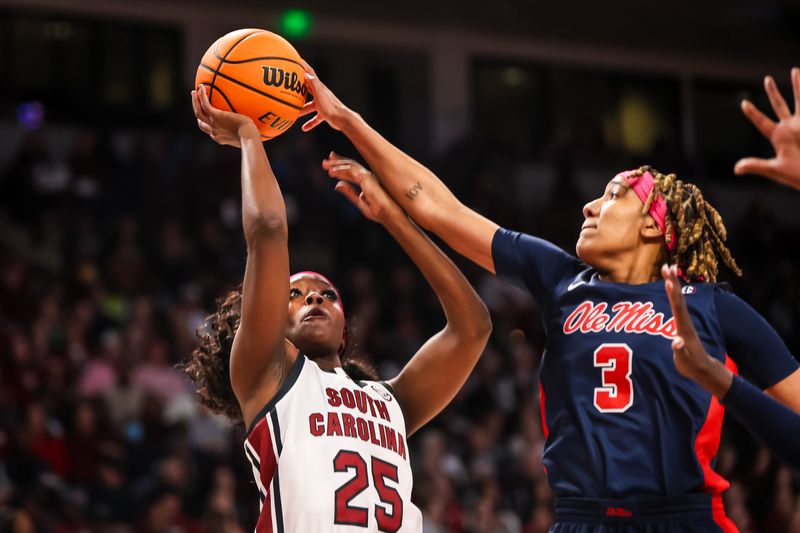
(620, 422)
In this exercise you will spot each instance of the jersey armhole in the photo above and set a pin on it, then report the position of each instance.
(391, 390)
(287, 384)
(724, 286)
(719, 322)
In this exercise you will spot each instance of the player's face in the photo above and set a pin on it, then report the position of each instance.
(316, 320)
(612, 225)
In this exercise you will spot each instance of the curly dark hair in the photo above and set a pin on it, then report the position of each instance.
(699, 228)
(209, 365)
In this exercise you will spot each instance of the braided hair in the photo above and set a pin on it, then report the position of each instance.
(209, 365)
(694, 223)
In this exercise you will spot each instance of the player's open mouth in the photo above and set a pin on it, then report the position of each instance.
(315, 313)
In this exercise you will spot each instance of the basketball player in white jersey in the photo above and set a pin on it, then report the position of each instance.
(327, 441)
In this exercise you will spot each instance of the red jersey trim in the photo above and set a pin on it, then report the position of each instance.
(706, 446)
(541, 408)
(260, 438)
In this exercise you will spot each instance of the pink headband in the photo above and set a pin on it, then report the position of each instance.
(298, 275)
(642, 185)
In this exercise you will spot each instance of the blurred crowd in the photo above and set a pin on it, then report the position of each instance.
(112, 255)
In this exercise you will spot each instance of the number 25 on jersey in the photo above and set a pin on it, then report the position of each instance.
(388, 521)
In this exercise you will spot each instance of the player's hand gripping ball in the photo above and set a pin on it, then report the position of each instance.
(258, 74)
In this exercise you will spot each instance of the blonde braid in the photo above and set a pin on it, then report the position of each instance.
(698, 227)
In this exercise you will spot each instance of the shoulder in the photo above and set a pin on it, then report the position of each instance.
(526, 242)
(718, 298)
(738, 319)
(293, 374)
(725, 299)
(524, 255)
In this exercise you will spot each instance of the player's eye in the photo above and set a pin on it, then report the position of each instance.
(330, 295)
(613, 195)
(294, 293)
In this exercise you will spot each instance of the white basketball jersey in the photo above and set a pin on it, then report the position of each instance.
(330, 454)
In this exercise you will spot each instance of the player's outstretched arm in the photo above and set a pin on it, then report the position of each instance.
(439, 369)
(784, 136)
(418, 191)
(258, 354)
(756, 347)
(776, 425)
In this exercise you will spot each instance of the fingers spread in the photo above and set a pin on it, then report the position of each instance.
(761, 121)
(776, 99)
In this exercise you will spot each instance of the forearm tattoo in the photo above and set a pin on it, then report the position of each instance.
(414, 191)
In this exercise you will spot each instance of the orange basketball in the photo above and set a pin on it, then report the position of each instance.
(256, 73)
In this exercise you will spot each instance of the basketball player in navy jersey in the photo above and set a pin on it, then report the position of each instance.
(327, 443)
(630, 444)
(774, 424)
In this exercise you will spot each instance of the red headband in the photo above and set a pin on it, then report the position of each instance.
(642, 185)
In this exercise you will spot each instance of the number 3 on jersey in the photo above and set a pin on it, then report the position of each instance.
(358, 516)
(616, 394)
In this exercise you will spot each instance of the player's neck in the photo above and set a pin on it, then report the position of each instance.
(328, 361)
(640, 267)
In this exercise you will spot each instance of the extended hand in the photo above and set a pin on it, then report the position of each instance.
(784, 136)
(223, 127)
(360, 186)
(327, 106)
(691, 359)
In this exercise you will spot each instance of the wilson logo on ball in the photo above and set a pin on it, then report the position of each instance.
(277, 77)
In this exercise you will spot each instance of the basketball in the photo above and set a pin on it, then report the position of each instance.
(256, 73)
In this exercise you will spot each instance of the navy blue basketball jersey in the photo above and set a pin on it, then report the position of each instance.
(620, 421)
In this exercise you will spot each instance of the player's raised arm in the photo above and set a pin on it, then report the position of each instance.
(751, 342)
(691, 359)
(776, 425)
(418, 191)
(258, 351)
(439, 369)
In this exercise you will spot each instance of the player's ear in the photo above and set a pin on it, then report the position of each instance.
(650, 229)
